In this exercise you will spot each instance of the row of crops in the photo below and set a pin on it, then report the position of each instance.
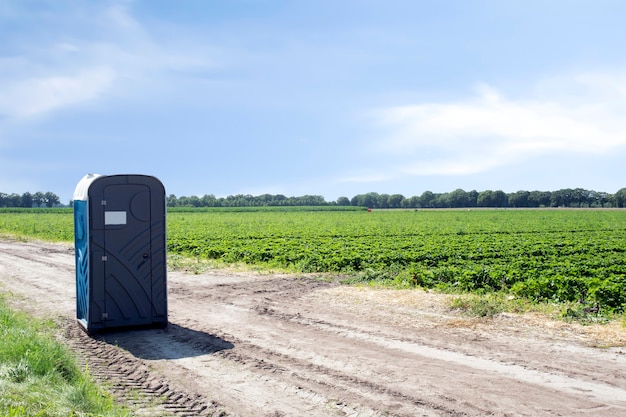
(543, 255)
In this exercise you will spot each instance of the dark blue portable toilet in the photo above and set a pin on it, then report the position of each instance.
(119, 236)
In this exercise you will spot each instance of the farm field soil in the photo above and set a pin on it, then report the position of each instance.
(246, 344)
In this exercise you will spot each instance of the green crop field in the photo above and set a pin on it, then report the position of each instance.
(542, 255)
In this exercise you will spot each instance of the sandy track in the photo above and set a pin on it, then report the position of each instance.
(253, 345)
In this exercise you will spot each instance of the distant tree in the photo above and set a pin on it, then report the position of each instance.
(317, 199)
(581, 198)
(39, 199)
(366, 200)
(51, 199)
(27, 200)
(459, 198)
(382, 201)
(539, 198)
(519, 199)
(473, 198)
(172, 201)
(263, 200)
(426, 199)
(485, 198)
(441, 200)
(562, 198)
(235, 200)
(490, 198)
(619, 198)
(411, 202)
(395, 200)
(310, 200)
(208, 200)
(501, 200)
(192, 201)
(281, 200)
(195, 201)
(343, 201)
(599, 199)
(14, 200)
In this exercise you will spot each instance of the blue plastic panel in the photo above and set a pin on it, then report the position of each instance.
(81, 245)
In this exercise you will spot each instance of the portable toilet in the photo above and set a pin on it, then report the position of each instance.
(119, 236)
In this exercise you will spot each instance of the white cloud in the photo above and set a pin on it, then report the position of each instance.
(488, 130)
(37, 96)
(117, 57)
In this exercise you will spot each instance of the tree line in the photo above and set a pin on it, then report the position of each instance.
(574, 198)
(241, 200)
(578, 198)
(38, 199)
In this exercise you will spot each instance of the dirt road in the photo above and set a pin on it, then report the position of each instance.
(244, 344)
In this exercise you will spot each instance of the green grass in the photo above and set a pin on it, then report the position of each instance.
(40, 377)
(55, 225)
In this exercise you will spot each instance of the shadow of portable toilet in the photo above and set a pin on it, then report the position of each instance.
(119, 236)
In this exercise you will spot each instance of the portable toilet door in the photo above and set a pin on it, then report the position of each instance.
(125, 254)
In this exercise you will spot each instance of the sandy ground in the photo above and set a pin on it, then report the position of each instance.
(246, 344)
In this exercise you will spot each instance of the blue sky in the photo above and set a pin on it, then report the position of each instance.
(326, 97)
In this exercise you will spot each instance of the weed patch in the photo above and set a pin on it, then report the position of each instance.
(40, 377)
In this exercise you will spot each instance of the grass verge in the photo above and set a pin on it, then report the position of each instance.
(40, 377)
